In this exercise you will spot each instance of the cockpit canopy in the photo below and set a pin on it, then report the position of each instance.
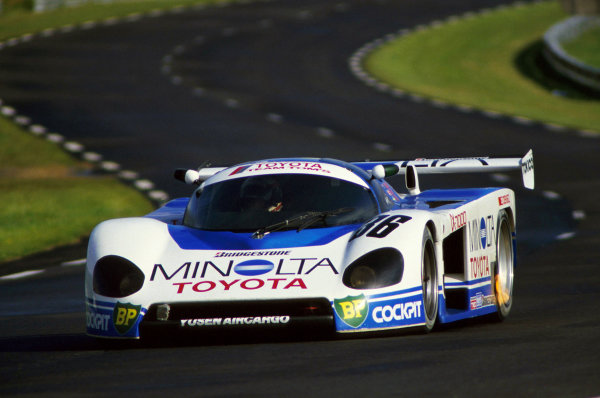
(249, 203)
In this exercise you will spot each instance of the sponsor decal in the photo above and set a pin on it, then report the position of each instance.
(307, 166)
(210, 269)
(261, 253)
(96, 320)
(481, 235)
(527, 166)
(253, 267)
(352, 310)
(504, 200)
(249, 320)
(479, 301)
(390, 192)
(210, 275)
(458, 221)
(397, 312)
(480, 266)
(124, 316)
(441, 162)
(246, 284)
(380, 226)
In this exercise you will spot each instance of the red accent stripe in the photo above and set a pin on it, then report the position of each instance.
(238, 170)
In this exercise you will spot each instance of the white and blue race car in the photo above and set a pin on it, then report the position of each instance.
(287, 244)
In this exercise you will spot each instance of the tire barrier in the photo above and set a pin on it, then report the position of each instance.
(565, 64)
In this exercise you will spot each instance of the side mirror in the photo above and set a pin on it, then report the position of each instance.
(188, 176)
(380, 171)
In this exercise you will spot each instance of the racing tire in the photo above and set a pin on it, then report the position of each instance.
(503, 270)
(429, 281)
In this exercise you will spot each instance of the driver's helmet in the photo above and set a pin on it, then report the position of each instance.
(261, 193)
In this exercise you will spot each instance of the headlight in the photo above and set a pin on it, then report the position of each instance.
(379, 268)
(115, 276)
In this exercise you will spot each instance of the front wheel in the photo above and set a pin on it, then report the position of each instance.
(503, 273)
(429, 277)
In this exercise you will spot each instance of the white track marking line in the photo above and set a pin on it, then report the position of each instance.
(21, 275)
(74, 263)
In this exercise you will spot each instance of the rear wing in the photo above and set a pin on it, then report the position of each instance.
(410, 168)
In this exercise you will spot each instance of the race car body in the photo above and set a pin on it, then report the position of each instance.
(319, 243)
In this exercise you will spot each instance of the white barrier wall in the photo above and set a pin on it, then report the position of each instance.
(562, 62)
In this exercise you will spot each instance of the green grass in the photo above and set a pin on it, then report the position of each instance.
(41, 213)
(49, 199)
(586, 47)
(490, 62)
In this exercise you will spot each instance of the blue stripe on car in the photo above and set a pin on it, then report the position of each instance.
(195, 239)
(253, 267)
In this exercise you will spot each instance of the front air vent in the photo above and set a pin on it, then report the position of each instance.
(115, 276)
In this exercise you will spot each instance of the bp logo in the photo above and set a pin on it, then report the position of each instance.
(352, 310)
(124, 316)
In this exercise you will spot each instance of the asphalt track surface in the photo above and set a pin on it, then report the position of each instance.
(229, 84)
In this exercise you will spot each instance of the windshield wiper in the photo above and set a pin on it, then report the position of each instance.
(305, 220)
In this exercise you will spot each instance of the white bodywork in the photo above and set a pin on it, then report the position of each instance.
(310, 264)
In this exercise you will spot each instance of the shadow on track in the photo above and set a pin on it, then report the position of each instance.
(82, 342)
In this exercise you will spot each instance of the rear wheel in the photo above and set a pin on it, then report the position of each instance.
(503, 275)
(429, 277)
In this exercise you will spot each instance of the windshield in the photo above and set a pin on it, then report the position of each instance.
(247, 204)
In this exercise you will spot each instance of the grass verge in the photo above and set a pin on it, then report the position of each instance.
(50, 199)
(490, 62)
